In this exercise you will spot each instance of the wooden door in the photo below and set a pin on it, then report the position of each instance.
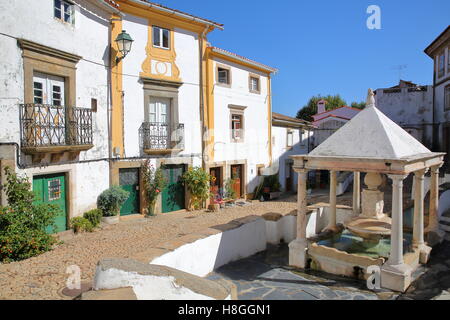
(173, 197)
(236, 175)
(52, 189)
(216, 180)
(129, 181)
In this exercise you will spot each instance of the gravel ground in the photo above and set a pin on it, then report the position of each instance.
(44, 276)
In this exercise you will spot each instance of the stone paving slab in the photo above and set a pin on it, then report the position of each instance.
(265, 276)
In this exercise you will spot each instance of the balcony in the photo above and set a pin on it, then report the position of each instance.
(55, 130)
(161, 138)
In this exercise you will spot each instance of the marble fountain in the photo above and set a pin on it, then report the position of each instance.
(348, 240)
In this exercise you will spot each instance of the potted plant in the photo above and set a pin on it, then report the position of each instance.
(110, 201)
(154, 183)
(197, 182)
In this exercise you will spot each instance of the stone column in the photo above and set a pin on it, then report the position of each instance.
(356, 193)
(396, 275)
(418, 232)
(332, 215)
(298, 247)
(435, 235)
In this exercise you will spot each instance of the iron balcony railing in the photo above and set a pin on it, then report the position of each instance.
(162, 136)
(46, 126)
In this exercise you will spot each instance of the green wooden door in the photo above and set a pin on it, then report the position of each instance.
(52, 189)
(173, 194)
(129, 181)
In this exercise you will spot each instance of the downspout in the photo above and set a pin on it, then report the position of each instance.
(435, 134)
(202, 97)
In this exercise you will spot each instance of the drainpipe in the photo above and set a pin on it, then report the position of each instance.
(202, 97)
(435, 133)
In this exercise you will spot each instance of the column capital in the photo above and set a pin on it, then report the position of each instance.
(420, 173)
(300, 170)
(397, 178)
(435, 169)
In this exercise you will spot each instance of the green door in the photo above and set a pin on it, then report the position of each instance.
(173, 194)
(129, 181)
(52, 189)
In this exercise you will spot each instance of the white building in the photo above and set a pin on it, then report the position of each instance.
(439, 51)
(290, 136)
(411, 107)
(54, 99)
(238, 119)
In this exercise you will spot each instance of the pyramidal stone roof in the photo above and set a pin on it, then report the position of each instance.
(370, 134)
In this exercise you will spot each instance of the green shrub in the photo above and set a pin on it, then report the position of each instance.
(230, 193)
(110, 200)
(154, 183)
(22, 223)
(197, 181)
(94, 216)
(80, 224)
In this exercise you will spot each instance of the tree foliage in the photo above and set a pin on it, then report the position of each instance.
(23, 223)
(333, 102)
(197, 181)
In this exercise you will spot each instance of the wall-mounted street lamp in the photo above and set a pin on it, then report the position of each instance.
(124, 42)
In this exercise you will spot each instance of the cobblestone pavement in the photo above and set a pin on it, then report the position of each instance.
(265, 276)
(434, 283)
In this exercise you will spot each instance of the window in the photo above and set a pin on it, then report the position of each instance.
(64, 11)
(441, 64)
(290, 139)
(253, 84)
(161, 37)
(447, 98)
(48, 89)
(224, 75)
(448, 60)
(236, 127)
(54, 189)
(94, 105)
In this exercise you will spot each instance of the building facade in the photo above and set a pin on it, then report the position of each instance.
(290, 136)
(411, 107)
(439, 51)
(238, 120)
(54, 98)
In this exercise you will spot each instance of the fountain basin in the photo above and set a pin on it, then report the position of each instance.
(370, 229)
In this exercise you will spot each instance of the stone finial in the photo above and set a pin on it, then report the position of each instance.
(370, 101)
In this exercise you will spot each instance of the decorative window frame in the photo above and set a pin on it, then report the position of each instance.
(237, 110)
(222, 66)
(438, 70)
(39, 58)
(255, 76)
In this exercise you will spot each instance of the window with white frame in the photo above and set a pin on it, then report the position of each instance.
(223, 75)
(441, 65)
(290, 139)
(161, 37)
(254, 84)
(237, 127)
(447, 98)
(64, 11)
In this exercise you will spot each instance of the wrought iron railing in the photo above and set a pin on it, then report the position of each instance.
(46, 125)
(162, 136)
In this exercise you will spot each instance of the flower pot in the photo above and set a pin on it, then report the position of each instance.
(111, 219)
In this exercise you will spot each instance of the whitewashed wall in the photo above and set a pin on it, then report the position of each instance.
(255, 148)
(281, 152)
(409, 110)
(88, 38)
(186, 48)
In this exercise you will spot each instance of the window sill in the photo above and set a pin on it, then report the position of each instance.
(255, 92)
(220, 84)
(162, 48)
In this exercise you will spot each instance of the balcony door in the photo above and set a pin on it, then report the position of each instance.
(159, 121)
(48, 89)
(45, 119)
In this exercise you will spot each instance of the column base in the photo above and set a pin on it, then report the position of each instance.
(298, 253)
(425, 252)
(434, 236)
(396, 277)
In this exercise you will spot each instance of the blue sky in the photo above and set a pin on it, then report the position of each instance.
(324, 46)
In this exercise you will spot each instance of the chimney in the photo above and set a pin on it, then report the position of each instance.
(321, 106)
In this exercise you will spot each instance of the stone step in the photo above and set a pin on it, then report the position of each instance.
(444, 227)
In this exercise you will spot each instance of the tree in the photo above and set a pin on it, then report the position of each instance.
(358, 105)
(310, 108)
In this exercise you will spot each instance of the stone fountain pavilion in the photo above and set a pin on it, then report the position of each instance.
(373, 144)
